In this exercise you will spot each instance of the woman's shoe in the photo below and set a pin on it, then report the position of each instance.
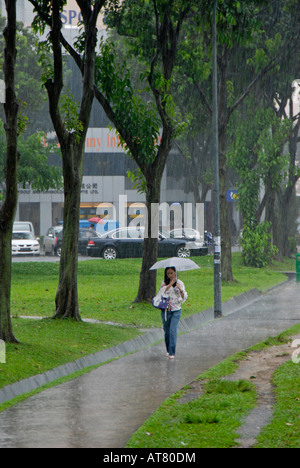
(171, 357)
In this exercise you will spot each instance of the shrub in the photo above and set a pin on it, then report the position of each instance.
(257, 246)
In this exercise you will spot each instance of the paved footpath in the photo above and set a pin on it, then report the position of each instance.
(104, 407)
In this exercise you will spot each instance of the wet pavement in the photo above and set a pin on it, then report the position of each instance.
(104, 407)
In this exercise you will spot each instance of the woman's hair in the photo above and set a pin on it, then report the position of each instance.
(167, 279)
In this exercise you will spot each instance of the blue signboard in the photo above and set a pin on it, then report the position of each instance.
(232, 195)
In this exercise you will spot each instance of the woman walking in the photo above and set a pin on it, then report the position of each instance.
(173, 288)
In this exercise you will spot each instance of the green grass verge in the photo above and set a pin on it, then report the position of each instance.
(284, 428)
(211, 420)
(207, 422)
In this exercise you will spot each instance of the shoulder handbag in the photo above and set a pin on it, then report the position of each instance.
(160, 301)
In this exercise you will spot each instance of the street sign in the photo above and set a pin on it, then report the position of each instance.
(232, 195)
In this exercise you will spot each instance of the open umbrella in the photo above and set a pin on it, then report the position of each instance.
(96, 220)
(181, 264)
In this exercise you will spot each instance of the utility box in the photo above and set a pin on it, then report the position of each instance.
(298, 267)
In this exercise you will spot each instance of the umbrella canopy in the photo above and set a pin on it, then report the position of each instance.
(96, 220)
(181, 264)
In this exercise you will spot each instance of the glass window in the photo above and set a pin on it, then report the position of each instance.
(22, 235)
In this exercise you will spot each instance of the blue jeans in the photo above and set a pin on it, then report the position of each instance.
(170, 324)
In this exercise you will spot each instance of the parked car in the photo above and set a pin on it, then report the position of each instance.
(23, 226)
(188, 233)
(84, 236)
(51, 238)
(128, 243)
(24, 243)
(101, 228)
(185, 232)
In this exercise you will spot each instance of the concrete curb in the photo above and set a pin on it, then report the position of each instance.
(24, 386)
(137, 344)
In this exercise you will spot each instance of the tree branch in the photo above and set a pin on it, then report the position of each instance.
(272, 63)
(203, 97)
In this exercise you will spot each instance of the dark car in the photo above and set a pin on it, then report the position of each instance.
(128, 243)
(84, 236)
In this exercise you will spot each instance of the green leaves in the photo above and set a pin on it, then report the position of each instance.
(33, 168)
(258, 250)
(230, 93)
(257, 155)
(138, 117)
(69, 108)
(150, 37)
(138, 179)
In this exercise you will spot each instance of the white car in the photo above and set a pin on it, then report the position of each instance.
(24, 243)
(190, 234)
(23, 226)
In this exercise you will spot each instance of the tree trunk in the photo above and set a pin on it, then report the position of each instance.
(280, 230)
(7, 212)
(67, 293)
(147, 285)
(6, 331)
(71, 136)
(281, 224)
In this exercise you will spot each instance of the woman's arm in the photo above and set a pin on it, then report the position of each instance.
(181, 289)
(171, 284)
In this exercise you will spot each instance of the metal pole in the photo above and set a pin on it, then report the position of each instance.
(217, 231)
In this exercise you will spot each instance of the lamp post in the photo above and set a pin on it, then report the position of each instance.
(216, 197)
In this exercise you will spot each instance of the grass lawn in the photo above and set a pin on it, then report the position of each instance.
(45, 344)
(107, 290)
